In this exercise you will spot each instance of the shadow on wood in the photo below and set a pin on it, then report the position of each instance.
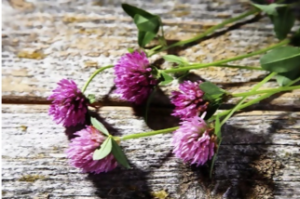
(177, 49)
(242, 169)
(131, 183)
(157, 116)
(69, 131)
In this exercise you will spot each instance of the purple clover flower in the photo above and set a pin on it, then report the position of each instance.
(193, 142)
(69, 105)
(134, 80)
(189, 100)
(81, 149)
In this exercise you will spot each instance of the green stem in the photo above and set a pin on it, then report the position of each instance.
(152, 50)
(210, 30)
(163, 35)
(272, 90)
(197, 66)
(155, 48)
(146, 134)
(240, 67)
(251, 102)
(257, 86)
(228, 113)
(94, 75)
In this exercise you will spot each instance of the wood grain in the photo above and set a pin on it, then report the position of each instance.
(44, 42)
(259, 158)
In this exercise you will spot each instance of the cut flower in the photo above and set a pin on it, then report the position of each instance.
(189, 100)
(194, 141)
(69, 105)
(134, 80)
(81, 150)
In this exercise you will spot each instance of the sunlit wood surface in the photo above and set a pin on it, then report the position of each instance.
(45, 41)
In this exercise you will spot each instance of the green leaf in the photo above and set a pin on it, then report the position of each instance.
(283, 22)
(176, 59)
(218, 127)
(104, 150)
(166, 82)
(167, 78)
(98, 125)
(285, 78)
(132, 11)
(295, 40)
(182, 75)
(211, 90)
(212, 165)
(150, 24)
(270, 9)
(119, 154)
(145, 37)
(281, 60)
(211, 109)
(130, 50)
(214, 95)
(92, 98)
(148, 103)
(282, 80)
(214, 159)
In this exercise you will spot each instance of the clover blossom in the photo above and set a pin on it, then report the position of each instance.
(134, 80)
(81, 149)
(193, 142)
(69, 105)
(189, 100)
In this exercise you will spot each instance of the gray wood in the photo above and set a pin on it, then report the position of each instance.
(45, 41)
(258, 158)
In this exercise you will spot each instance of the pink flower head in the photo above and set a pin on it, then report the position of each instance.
(189, 100)
(69, 105)
(134, 80)
(270, 1)
(193, 142)
(81, 149)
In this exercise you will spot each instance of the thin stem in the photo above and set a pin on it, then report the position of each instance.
(251, 102)
(257, 86)
(210, 30)
(197, 66)
(265, 91)
(152, 50)
(163, 35)
(146, 134)
(293, 82)
(155, 48)
(240, 67)
(94, 75)
(228, 113)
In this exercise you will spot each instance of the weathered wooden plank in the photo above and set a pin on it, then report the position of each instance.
(44, 42)
(259, 158)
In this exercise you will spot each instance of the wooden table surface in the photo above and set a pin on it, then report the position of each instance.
(45, 41)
